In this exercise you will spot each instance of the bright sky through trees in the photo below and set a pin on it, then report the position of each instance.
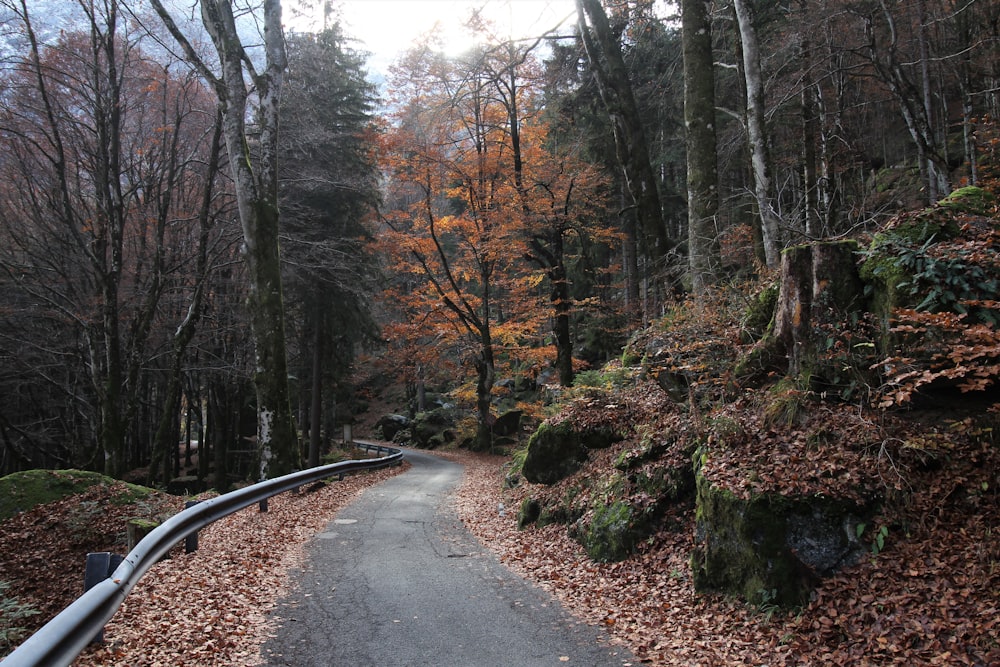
(388, 27)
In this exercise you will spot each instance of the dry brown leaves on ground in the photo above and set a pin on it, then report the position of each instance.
(204, 608)
(929, 598)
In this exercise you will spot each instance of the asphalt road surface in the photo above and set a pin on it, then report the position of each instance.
(395, 580)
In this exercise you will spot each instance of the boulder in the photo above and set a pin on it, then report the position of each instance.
(772, 548)
(186, 485)
(389, 425)
(508, 423)
(611, 532)
(556, 451)
(433, 429)
(529, 513)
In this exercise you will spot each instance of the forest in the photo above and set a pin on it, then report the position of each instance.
(515, 212)
(707, 235)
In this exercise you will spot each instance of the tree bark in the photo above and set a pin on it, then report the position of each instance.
(316, 396)
(186, 330)
(819, 284)
(699, 120)
(632, 147)
(757, 134)
(810, 130)
(256, 185)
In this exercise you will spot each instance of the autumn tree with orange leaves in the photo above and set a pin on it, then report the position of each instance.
(480, 211)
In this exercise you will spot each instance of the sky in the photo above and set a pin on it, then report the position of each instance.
(386, 28)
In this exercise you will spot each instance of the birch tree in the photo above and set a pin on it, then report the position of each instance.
(239, 84)
(757, 134)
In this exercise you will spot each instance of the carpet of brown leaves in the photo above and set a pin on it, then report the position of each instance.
(204, 608)
(931, 597)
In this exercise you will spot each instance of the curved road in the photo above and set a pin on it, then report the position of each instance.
(396, 580)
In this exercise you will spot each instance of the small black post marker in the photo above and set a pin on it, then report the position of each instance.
(191, 541)
(99, 567)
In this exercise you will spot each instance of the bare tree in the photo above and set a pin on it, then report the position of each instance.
(99, 143)
(699, 119)
(254, 165)
(757, 134)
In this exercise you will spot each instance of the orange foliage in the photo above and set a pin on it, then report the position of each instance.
(477, 217)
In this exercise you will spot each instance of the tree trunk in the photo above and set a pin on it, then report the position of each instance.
(485, 377)
(186, 330)
(757, 134)
(561, 302)
(699, 119)
(611, 75)
(316, 398)
(630, 261)
(928, 106)
(819, 284)
(257, 201)
(810, 130)
(255, 178)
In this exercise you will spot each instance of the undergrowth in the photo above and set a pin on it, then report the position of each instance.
(12, 612)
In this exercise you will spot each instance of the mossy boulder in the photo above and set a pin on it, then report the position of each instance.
(611, 531)
(21, 491)
(388, 426)
(433, 429)
(186, 485)
(771, 548)
(508, 424)
(528, 513)
(922, 259)
(557, 450)
(970, 199)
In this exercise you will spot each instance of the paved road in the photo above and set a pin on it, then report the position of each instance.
(396, 580)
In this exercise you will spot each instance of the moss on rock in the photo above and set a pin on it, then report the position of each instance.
(612, 531)
(528, 513)
(771, 548)
(21, 491)
(897, 254)
(433, 429)
(556, 451)
(970, 199)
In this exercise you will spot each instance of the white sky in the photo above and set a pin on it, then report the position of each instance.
(386, 28)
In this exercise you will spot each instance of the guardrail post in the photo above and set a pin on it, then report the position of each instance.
(191, 541)
(262, 505)
(99, 567)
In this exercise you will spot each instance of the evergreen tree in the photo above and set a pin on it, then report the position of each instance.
(328, 185)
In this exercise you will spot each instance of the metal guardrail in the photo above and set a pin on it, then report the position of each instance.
(63, 638)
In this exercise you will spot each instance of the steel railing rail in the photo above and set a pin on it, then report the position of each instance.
(63, 638)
